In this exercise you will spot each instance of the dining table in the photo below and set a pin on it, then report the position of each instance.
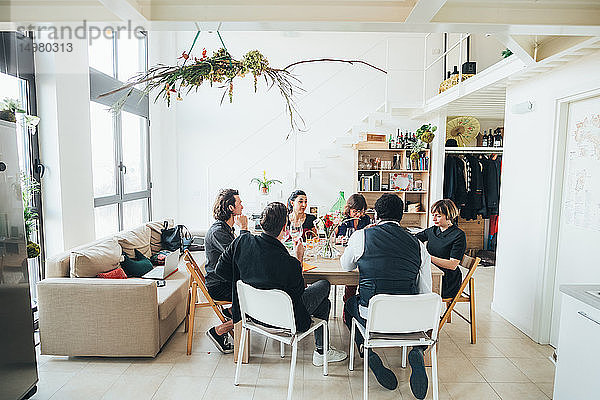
(330, 269)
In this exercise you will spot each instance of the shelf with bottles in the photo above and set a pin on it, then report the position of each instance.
(398, 161)
(422, 171)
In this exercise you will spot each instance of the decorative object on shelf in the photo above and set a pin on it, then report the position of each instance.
(340, 203)
(221, 68)
(506, 53)
(29, 186)
(425, 133)
(264, 184)
(10, 107)
(469, 67)
(463, 129)
(401, 181)
(376, 137)
(452, 80)
(328, 223)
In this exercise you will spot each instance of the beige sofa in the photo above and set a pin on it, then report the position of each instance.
(85, 316)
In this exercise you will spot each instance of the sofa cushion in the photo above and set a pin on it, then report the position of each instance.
(89, 261)
(135, 239)
(156, 228)
(116, 273)
(136, 267)
(173, 293)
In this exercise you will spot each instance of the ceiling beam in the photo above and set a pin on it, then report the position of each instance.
(125, 9)
(425, 10)
(515, 47)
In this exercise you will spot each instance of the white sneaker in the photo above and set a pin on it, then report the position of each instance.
(333, 355)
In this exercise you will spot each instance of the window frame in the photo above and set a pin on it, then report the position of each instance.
(137, 104)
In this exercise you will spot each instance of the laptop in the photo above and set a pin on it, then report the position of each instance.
(163, 272)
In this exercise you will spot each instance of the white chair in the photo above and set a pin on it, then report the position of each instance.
(399, 321)
(273, 307)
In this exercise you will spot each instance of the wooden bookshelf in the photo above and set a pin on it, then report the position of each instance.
(372, 151)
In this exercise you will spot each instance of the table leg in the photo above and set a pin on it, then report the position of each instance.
(237, 332)
(334, 300)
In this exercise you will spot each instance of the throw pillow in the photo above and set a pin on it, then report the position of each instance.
(156, 228)
(136, 267)
(116, 273)
(99, 257)
(135, 239)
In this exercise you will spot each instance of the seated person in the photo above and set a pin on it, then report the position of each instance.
(298, 217)
(354, 215)
(354, 219)
(390, 261)
(227, 211)
(447, 244)
(264, 262)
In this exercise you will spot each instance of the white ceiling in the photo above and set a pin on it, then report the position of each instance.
(557, 17)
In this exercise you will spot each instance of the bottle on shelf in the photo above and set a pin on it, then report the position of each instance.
(484, 139)
(497, 139)
(401, 140)
(392, 144)
(491, 139)
(455, 72)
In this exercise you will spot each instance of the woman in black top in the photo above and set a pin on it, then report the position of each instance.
(354, 215)
(297, 214)
(446, 243)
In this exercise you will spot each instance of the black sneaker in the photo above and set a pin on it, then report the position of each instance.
(418, 376)
(220, 341)
(385, 376)
(227, 313)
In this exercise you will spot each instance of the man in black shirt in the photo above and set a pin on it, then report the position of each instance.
(263, 262)
(227, 211)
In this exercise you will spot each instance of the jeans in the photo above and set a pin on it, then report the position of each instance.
(316, 301)
(351, 310)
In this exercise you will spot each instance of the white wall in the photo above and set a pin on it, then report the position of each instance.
(520, 292)
(225, 146)
(63, 94)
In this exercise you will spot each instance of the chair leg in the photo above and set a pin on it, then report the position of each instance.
(434, 371)
(191, 317)
(352, 344)
(281, 349)
(325, 348)
(404, 356)
(187, 311)
(292, 369)
(240, 357)
(472, 311)
(449, 316)
(366, 374)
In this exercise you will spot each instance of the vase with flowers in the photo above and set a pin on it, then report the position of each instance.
(328, 223)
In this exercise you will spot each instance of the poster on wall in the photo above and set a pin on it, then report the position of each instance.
(582, 202)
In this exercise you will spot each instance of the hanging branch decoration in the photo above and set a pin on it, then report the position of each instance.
(222, 69)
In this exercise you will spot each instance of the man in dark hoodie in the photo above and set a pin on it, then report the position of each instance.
(263, 262)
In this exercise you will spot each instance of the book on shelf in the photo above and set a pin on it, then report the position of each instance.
(369, 183)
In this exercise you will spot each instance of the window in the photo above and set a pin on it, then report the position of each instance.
(120, 141)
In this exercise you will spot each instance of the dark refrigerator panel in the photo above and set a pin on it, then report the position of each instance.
(18, 369)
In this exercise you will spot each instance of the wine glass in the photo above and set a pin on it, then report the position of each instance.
(296, 233)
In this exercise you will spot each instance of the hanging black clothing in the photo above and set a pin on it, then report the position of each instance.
(475, 204)
(454, 181)
(491, 180)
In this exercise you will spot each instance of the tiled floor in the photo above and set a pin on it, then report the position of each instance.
(504, 364)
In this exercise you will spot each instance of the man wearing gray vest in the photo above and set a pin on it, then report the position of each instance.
(390, 261)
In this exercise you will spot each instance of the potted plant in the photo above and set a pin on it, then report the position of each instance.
(10, 107)
(423, 135)
(29, 186)
(264, 184)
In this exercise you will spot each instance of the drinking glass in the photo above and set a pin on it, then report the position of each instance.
(296, 233)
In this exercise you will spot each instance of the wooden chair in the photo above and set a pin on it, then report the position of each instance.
(198, 281)
(470, 264)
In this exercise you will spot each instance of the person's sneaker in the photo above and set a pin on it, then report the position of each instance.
(384, 376)
(220, 341)
(227, 313)
(333, 355)
(418, 376)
